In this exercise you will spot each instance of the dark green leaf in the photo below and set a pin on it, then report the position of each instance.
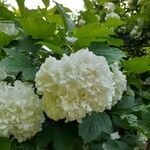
(5, 144)
(63, 140)
(92, 126)
(69, 24)
(18, 62)
(116, 145)
(44, 137)
(27, 44)
(110, 53)
(128, 100)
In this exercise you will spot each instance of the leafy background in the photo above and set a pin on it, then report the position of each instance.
(27, 37)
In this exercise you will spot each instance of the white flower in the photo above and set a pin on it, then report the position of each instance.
(8, 28)
(75, 85)
(135, 32)
(115, 136)
(71, 39)
(20, 111)
(112, 15)
(109, 6)
(81, 22)
(120, 82)
(3, 74)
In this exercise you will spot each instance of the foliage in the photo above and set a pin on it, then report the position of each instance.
(47, 31)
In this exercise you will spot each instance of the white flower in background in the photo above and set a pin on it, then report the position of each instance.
(142, 138)
(120, 82)
(112, 15)
(8, 28)
(81, 22)
(115, 136)
(135, 32)
(3, 74)
(71, 39)
(75, 85)
(20, 111)
(109, 6)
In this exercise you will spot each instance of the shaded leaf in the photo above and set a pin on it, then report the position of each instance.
(54, 48)
(5, 39)
(63, 140)
(110, 53)
(116, 145)
(92, 126)
(69, 24)
(18, 62)
(5, 144)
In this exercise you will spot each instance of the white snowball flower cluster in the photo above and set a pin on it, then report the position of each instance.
(3, 74)
(81, 22)
(75, 85)
(112, 15)
(8, 28)
(135, 32)
(109, 6)
(115, 136)
(20, 111)
(120, 82)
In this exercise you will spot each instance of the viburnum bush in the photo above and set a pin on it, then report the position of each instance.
(75, 81)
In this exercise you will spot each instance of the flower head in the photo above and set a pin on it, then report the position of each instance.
(120, 82)
(109, 6)
(3, 74)
(21, 114)
(75, 85)
(112, 15)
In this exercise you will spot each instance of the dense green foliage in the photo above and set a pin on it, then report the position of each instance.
(25, 36)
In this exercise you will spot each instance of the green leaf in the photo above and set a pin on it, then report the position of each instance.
(18, 62)
(90, 17)
(6, 14)
(56, 49)
(5, 39)
(27, 44)
(110, 53)
(44, 137)
(46, 2)
(128, 100)
(88, 4)
(92, 126)
(5, 144)
(38, 28)
(69, 24)
(116, 145)
(138, 64)
(93, 29)
(97, 31)
(96, 146)
(113, 23)
(63, 140)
